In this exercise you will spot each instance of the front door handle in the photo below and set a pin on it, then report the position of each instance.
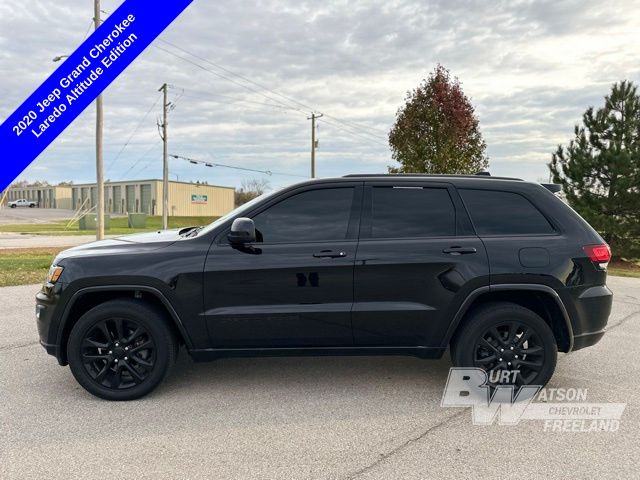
(459, 250)
(329, 254)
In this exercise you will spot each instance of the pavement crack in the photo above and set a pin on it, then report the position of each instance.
(19, 345)
(383, 457)
(624, 320)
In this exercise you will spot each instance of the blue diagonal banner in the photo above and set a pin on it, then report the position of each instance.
(80, 79)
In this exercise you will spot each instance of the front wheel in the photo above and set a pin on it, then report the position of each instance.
(121, 349)
(511, 343)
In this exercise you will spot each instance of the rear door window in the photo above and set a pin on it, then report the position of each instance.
(406, 212)
(504, 213)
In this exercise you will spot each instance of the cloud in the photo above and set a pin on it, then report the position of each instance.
(530, 67)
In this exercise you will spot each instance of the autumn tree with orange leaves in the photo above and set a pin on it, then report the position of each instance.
(436, 131)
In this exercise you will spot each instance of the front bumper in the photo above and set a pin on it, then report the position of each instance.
(46, 303)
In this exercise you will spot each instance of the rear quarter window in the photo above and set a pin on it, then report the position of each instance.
(504, 213)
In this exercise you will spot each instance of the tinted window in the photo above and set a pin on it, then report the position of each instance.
(504, 213)
(311, 216)
(412, 212)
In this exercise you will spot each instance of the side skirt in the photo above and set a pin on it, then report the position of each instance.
(203, 355)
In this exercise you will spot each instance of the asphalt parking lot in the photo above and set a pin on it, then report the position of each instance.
(9, 216)
(296, 418)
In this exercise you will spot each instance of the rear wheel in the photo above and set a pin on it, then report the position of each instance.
(511, 343)
(121, 349)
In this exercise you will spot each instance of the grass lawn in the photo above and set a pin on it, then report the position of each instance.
(624, 269)
(118, 226)
(22, 266)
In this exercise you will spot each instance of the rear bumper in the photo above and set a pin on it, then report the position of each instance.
(592, 310)
(587, 339)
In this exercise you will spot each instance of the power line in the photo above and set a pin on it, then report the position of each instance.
(91, 23)
(350, 124)
(352, 133)
(206, 95)
(213, 72)
(213, 164)
(138, 161)
(248, 80)
(147, 164)
(257, 84)
(132, 135)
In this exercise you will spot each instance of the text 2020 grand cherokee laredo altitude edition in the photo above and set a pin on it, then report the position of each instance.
(500, 270)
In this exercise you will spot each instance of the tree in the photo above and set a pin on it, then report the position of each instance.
(436, 131)
(250, 189)
(600, 169)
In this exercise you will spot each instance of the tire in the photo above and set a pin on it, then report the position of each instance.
(488, 335)
(121, 349)
(13, 206)
(31, 205)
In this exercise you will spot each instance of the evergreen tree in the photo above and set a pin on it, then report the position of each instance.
(436, 131)
(600, 169)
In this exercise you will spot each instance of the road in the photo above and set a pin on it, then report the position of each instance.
(11, 216)
(293, 418)
(9, 241)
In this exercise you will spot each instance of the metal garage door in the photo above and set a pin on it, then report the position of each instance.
(117, 199)
(131, 198)
(85, 195)
(74, 198)
(145, 198)
(94, 200)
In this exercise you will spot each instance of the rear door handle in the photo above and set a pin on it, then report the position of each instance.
(329, 254)
(459, 250)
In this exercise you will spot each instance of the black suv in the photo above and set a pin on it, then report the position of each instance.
(499, 269)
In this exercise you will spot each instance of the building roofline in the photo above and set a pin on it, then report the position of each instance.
(149, 180)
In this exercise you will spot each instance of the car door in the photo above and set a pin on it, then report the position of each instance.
(293, 287)
(418, 258)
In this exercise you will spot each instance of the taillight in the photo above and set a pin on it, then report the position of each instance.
(600, 254)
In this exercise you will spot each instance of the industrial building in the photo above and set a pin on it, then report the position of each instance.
(47, 196)
(139, 196)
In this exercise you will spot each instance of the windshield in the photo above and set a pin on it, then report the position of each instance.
(237, 212)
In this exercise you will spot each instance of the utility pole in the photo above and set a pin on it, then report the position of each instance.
(314, 142)
(165, 161)
(99, 159)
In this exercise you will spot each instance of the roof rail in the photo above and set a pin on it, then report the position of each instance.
(429, 175)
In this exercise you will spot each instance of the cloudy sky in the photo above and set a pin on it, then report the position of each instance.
(245, 76)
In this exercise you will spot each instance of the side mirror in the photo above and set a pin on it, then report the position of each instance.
(243, 230)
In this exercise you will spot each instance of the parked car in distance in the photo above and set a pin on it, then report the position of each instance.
(499, 270)
(22, 203)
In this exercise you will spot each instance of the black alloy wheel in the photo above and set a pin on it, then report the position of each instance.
(118, 353)
(513, 344)
(121, 349)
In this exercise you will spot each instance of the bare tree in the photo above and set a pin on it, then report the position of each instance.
(251, 189)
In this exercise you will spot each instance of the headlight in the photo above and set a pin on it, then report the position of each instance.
(54, 273)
